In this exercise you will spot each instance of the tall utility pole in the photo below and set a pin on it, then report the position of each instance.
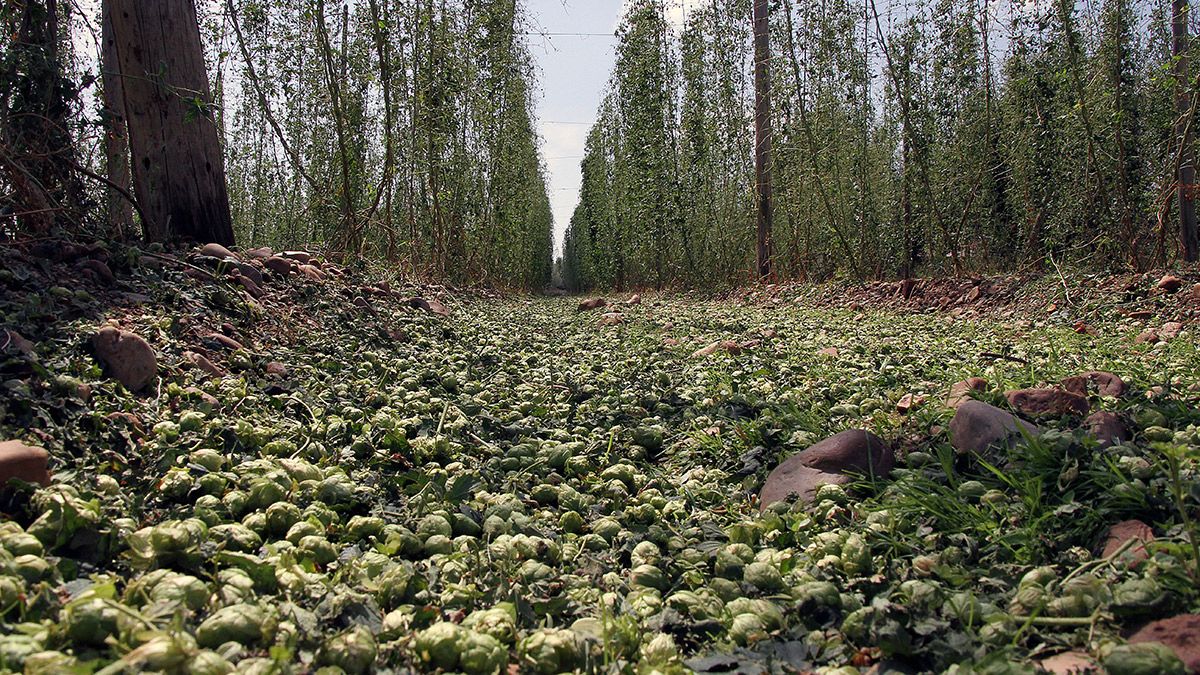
(762, 132)
(1186, 175)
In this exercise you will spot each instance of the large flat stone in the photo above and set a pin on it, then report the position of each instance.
(978, 426)
(833, 461)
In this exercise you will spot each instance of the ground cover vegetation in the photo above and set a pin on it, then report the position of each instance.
(346, 474)
(251, 421)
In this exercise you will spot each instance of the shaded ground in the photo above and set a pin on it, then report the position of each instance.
(374, 485)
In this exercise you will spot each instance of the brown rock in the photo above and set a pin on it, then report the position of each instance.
(1106, 384)
(217, 251)
(832, 461)
(312, 273)
(431, 306)
(276, 368)
(1055, 402)
(635, 300)
(1121, 533)
(1170, 283)
(832, 352)
(224, 342)
(207, 399)
(974, 294)
(591, 304)
(23, 462)
(126, 356)
(1070, 663)
(1140, 315)
(1107, 428)
(280, 266)
(796, 479)
(670, 342)
(1147, 336)
(251, 272)
(260, 253)
(201, 362)
(1195, 293)
(612, 319)
(1180, 633)
(299, 256)
(252, 288)
(11, 339)
(978, 426)
(960, 392)
(732, 347)
(99, 270)
(908, 403)
(1170, 330)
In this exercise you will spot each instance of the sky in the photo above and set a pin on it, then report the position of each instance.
(572, 72)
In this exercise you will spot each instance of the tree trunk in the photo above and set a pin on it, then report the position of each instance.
(762, 132)
(1186, 176)
(178, 168)
(116, 132)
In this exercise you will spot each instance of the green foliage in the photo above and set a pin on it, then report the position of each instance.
(410, 129)
(926, 138)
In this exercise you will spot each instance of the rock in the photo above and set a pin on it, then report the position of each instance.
(224, 342)
(1053, 402)
(252, 288)
(201, 362)
(11, 339)
(974, 294)
(592, 303)
(276, 368)
(635, 300)
(260, 253)
(251, 272)
(612, 319)
(1121, 533)
(280, 266)
(714, 347)
(126, 356)
(796, 479)
(1180, 633)
(1107, 428)
(978, 426)
(731, 347)
(1170, 330)
(1106, 384)
(1147, 336)
(312, 273)
(1070, 663)
(206, 398)
(431, 306)
(299, 256)
(1195, 293)
(24, 462)
(960, 392)
(1140, 315)
(217, 251)
(831, 352)
(1170, 284)
(830, 462)
(908, 403)
(100, 270)
(670, 342)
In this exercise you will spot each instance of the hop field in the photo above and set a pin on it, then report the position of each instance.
(518, 488)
